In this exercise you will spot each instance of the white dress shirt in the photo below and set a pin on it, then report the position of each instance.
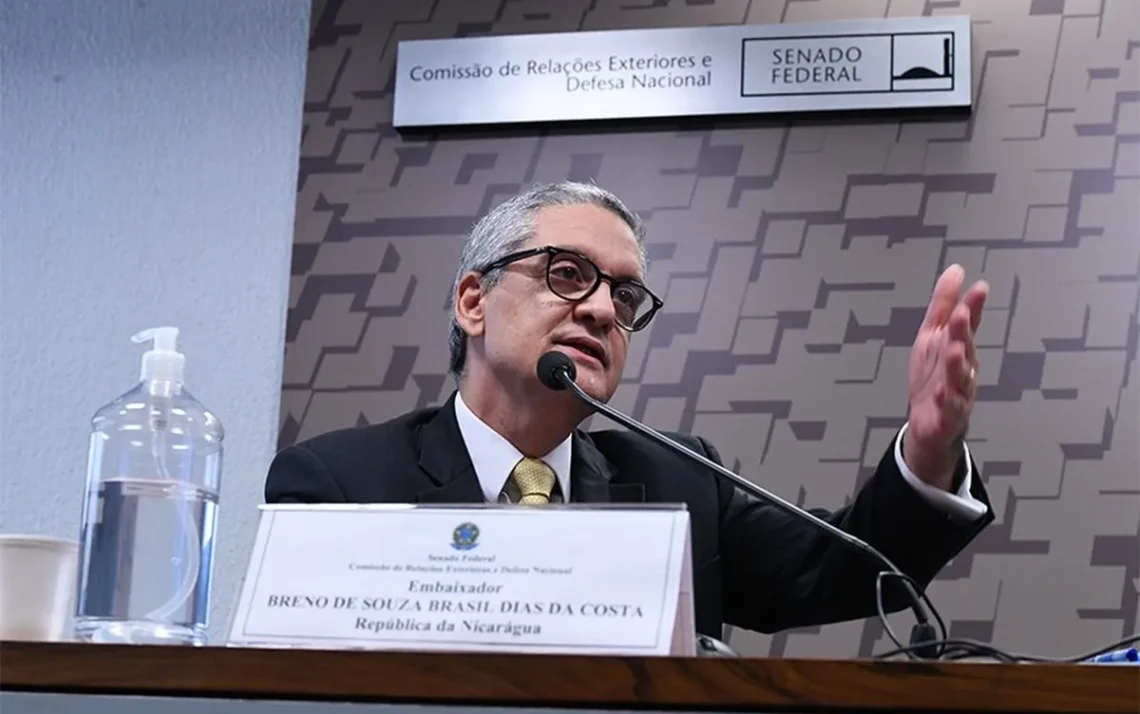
(493, 458)
(962, 504)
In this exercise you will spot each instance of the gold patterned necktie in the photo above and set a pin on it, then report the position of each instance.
(534, 479)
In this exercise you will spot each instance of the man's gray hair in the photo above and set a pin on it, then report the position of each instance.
(507, 227)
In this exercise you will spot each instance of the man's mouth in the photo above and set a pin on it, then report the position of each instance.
(586, 347)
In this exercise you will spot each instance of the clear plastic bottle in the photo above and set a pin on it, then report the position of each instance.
(154, 467)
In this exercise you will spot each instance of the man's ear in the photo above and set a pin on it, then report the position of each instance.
(469, 307)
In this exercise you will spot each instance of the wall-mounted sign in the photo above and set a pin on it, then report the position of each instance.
(883, 64)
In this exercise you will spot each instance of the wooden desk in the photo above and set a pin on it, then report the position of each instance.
(469, 681)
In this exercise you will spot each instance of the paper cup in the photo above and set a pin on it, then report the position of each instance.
(37, 584)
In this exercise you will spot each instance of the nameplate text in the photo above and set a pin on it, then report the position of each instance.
(518, 579)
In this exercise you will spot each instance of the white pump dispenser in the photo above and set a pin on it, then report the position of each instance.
(163, 361)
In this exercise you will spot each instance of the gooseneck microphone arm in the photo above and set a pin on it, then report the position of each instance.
(557, 371)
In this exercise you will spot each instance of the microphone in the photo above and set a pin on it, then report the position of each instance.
(557, 371)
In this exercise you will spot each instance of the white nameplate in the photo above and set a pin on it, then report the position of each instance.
(560, 579)
(838, 66)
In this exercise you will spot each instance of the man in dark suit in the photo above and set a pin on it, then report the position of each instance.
(562, 267)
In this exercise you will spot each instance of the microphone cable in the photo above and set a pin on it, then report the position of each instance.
(946, 648)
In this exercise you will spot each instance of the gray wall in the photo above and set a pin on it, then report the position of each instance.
(795, 261)
(148, 177)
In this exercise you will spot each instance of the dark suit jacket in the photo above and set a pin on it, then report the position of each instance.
(753, 565)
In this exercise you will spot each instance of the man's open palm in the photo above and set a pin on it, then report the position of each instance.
(942, 375)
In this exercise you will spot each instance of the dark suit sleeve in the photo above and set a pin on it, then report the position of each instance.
(297, 475)
(780, 571)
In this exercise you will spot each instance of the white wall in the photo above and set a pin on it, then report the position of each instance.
(148, 164)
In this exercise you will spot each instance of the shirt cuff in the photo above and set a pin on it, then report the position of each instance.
(961, 505)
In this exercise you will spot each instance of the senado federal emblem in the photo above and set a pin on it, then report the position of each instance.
(465, 536)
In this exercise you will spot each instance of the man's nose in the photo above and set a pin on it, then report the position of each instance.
(599, 307)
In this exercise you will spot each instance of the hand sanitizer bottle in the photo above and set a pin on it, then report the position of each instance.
(154, 467)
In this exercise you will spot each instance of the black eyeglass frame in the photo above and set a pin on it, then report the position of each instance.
(552, 252)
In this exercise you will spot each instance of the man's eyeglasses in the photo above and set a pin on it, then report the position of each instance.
(575, 277)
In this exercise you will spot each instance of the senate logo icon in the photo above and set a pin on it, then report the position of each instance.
(465, 536)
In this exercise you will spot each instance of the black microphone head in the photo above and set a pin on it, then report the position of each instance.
(555, 366)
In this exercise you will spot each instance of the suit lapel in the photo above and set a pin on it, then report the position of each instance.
(444, 458)
(591, 476)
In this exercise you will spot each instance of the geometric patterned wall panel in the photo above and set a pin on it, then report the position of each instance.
(795, 260)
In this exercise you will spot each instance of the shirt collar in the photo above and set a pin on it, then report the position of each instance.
(494, 457)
